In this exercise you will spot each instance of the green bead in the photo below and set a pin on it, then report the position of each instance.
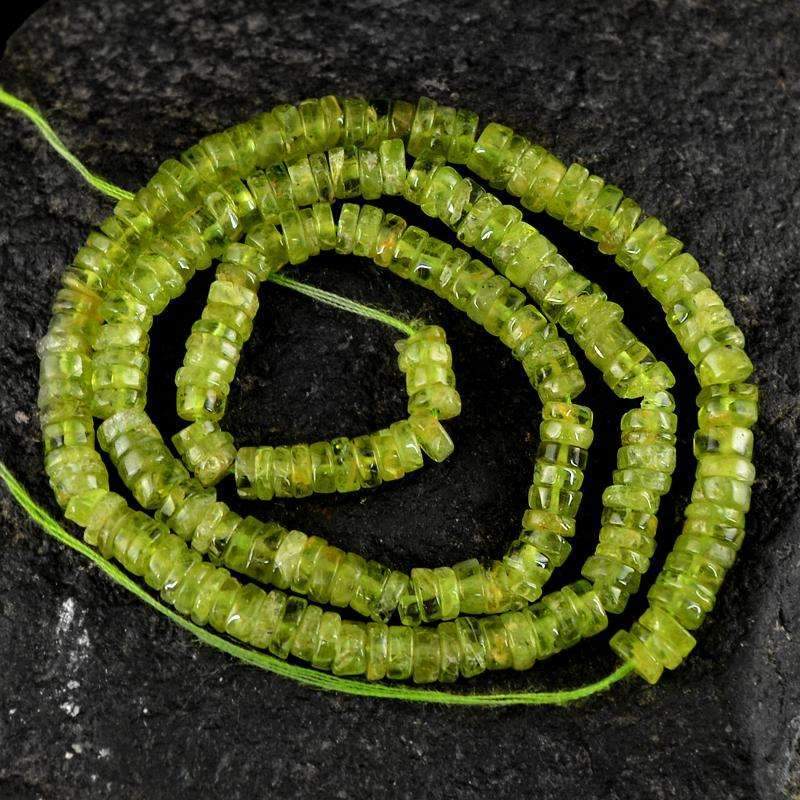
(389, 234)
(449, 652)
(630, 649)
(346, 469)
(567, 191)
(360, 121)
(351, 650)
(305, 639)
(620, 227)
(346, 229)
(377, 649)
(393, 166)
(471, 579)
(387, 456)
(345, 173)
(496, 153)
(419, 137)
(426, 656)
(725, 440)
(408, 446)
(366, 461)
(472, 647)
(368, 229)
(304, 187)
(399, 663)
(432, 437)
(464, 130)
(544, 179)
(728, 404)
(327, 640)
(370, 174)
(207, 450)
(495, 642)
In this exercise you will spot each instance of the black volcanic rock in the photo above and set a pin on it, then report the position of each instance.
(691, 107)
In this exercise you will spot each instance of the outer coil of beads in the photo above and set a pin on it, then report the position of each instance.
(267, 171)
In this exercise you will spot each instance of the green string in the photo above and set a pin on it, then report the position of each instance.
(343, 303)
(303, 675)
(118, 193)
(55, 142)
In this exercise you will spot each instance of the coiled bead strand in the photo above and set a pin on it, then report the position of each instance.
(214, 346)
(645, 464)
(289, 625)
(143, 461)
(343, 464)
(553, 500)
(206, 450)
(523, 255)
(427, 362)
(470, 286)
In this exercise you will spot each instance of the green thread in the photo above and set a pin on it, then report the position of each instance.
(55, 142)
(118, 193)
(303, 675)
(343, 303)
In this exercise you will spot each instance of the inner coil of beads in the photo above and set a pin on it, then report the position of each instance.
(259, 196)
(341, 465)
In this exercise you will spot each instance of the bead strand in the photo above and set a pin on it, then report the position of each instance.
(272, 177)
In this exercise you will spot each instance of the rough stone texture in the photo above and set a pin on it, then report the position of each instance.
(693, 108)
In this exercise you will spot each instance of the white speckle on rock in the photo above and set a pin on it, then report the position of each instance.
(104, 752)
(21, 417)
(70, 708)
(65, 617)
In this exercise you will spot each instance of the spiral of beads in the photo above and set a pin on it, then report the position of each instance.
(266, 193)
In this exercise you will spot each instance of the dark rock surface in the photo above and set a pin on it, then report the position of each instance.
(692, 107)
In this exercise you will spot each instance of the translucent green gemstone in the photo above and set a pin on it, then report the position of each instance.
(389, 234)
(207, 450)
(419, 137)
(360, 121)
(351, 650)
(305, 639)
(496, 153)
(630, 649)
(567, 191)
(370, 175)
(449, 652)
(346, 228)
(345, 171)
(408, 446)
(420, 176)
(472, 647)
(553, 371)
(327, 640)
(464, 130)
(368, 229)
(432, 437)
(544, 179)
(425, 656)
(400, 663)
(471, 579)
(393, 166)
(377, 649)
